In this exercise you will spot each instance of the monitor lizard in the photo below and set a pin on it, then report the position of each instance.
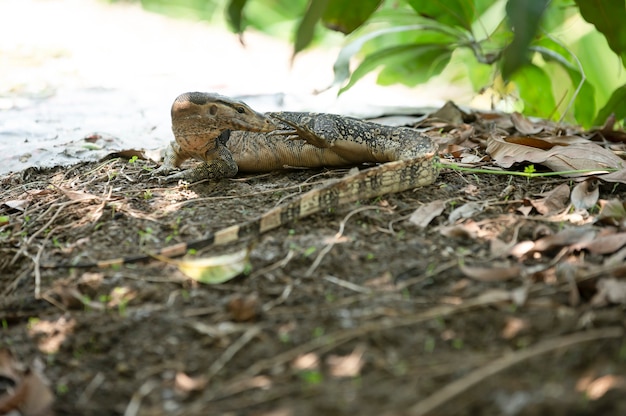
(228, 136)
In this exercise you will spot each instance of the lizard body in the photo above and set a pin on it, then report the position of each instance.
(227, 136)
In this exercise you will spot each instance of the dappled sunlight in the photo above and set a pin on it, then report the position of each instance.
(51, 333)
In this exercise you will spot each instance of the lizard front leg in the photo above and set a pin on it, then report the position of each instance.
(173, 157)
(221, 165)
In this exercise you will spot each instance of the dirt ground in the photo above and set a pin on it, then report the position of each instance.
(388, 318)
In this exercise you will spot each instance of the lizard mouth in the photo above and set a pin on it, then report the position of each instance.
(262, 124)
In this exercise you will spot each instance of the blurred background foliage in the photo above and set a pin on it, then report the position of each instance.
(557, 59)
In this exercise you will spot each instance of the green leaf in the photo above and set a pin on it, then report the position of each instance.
(535, 89)
(235, 15)
(451, 12)
(583, 90)
(342, 64)
(415, 67)
(524, 17)
(616, 105)
(306, 28)
(609, 17)
(395, 54)
(218, 269)
(344, 15)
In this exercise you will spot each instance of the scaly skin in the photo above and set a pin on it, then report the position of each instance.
(201, 122)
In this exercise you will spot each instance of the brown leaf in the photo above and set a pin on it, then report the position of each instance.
(610, 290)
(553, 201)
(185, 384)
(346, 365)
(467, 230)
(617, 176)
(563, 238)
(29, 395)
(491, 273)
(77, 195)
(17, 204)
(524, 125)
(244, 308)
(426, 213)
(466, 211)
(612, 212)
(606, 244)
(578, 156)
(585, 194)
(449, 113)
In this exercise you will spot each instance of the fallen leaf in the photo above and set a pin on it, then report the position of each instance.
(28, 394)
(566, 237)
(426, 213)
(575, 237)
(346, 365)
(466, 211)
(491, 273)
(606, 244)
(513, 326)
(467, 230)
(524, 125)
(244, 308)
(77, 195)
(618, 176)
(578, 156)
(600, 386)
(17, 204)
(553, 201)
(218, 269)
(450, 113)
(585, 194)
(610, 290)
(612, 212)
(185, 384)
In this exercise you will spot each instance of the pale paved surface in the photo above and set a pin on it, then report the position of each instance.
(74, 67)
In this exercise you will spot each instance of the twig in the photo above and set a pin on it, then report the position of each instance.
(348, 285)
(331, 340)
(232, 350)
(454, 166)
(337, 236)
(457, 387)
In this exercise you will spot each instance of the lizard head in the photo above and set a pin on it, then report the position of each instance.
(201, 111)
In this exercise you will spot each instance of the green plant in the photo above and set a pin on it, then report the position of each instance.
(540, 50)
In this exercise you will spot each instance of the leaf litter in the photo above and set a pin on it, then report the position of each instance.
(431, 301)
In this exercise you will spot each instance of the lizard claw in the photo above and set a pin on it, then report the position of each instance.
(289, 134)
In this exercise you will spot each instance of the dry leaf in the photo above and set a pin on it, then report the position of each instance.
(185, 384)
(218, 269)
(578, 156)
(466, 211)
(244, 308)
(617, 176)
(553, 201)
(347, 365)
(610, 290)
(29, 394)
(606, 244)
(77, 195)
(426, 213)
(585, 194)
(491, 273)
(467, 230)
(17, 204)
(612, 212)
(524, 125)
(566, 237)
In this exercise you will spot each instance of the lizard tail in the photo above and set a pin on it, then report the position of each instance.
(387, 178)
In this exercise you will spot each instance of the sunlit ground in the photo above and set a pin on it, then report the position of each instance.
(74, 67)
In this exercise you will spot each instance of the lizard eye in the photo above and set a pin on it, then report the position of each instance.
(241, 110)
